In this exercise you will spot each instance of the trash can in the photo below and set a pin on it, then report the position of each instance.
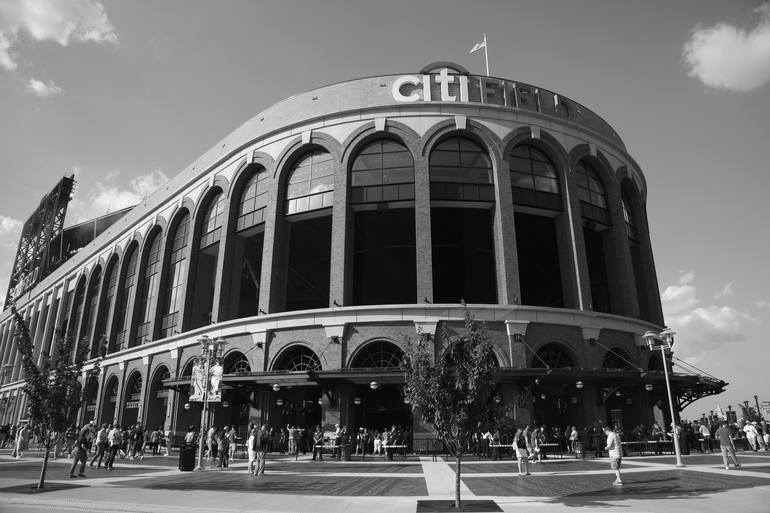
(579, 449)
(346, 450)
(187, 453)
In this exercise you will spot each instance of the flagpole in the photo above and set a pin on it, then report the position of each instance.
(486, 55)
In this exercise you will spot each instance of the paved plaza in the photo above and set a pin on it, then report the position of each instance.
(652, 483)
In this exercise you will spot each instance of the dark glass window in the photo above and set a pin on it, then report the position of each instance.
(628, 217)
(552, 355)
(110, 284)
(382, 171)
(534, 179)
(617, 359)
(460, 170)
(251, 207)
(380, 354)
(311, 183)
(298, 359)
(174, 293)
(149, 290)
(93, 302)
(129, 282)
(591, 192)
(211, 229)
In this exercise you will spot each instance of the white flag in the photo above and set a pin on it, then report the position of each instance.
(479, 45)
(720, 413)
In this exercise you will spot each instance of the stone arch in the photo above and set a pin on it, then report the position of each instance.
(473, 130)
(109, 399)
(296, 357)
(380, 353)
(157, 397)
(236, 362)
(554, 355)
(367, 133)
(132, 397)
(616, 358)
(296, 149)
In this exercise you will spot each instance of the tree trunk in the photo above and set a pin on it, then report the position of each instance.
(457, 483)
(41, 482)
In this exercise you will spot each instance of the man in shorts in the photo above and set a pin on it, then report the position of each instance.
(613, 448)
(726, 443)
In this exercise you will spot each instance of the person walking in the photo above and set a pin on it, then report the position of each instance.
(22, 441)
(656, 432)
(522, 452)
(534, 444)
(80, 451)
(613, 448)
(705, 435)
(232, 438)
(726, 444)
(262, 441)
(751, 435)
(251, 449)
(318, 444)
(211, 443)
(102, 444)
(573, 439)
(223, 442)
(115, 440)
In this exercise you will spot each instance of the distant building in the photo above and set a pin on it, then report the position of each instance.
(324, 232)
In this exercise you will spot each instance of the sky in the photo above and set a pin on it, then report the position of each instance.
(126, 94)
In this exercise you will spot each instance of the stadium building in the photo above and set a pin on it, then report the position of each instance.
(328, 230)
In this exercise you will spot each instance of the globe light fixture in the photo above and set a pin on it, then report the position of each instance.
(374, 385)
(279, 402)
(667, 337)
(357, 401)
(579, 385)
(187, 406)
(276, 387)
(648, 387)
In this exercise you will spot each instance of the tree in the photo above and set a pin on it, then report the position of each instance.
(452, 391)
(53, 388)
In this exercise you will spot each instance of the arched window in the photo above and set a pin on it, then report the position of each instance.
(655, 364)
(298, 359)
(552, 355)
(113, 390)
(617, 359)
(380, 355)
(311, 183)
(127, 290)
(253, 201)
(382, 174)
(89, 318)
(211, 229)
(77, 311)
(629, 218)
(149, 290)
(135, 390)
(462, 236)
(175, 279)
(460, 170)
(382, 171)
(110, 284)
(534, 179)
(237, 363)
(591, 192)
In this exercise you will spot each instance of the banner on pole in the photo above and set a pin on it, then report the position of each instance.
(203, 387)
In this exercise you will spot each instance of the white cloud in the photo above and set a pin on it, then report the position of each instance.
(42, 89)
(10, 231)
(105, 196)
(731, 58)
(701, 328)
(726, 291)
(762, 304)
(51, 20)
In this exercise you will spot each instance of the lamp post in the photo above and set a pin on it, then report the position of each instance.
(667, 336)
(210, 350)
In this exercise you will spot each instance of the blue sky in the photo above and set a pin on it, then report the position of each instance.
(127, 93)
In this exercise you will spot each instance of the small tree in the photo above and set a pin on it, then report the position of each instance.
(452, 391)
(53, 388)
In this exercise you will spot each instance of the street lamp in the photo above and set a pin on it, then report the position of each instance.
(210, 350)
(667, 336)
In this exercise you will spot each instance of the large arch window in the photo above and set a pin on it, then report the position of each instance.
(89, 315)
(311, 183)
(298, 359)
(617, 359)
(206, 262)
(537, 217)
(237, 363)
(248, 243)
(380, 354)
(149, 290)
(110, 285)
(77, 308)
(382, 194)
(123, 319)
(644, 282)
(534, 179)
(173, 299)
(596, 235)
(309, 190)
(462, 200)
(552, 355)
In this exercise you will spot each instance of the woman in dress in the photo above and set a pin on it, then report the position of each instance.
(22, 441)
(522, 452)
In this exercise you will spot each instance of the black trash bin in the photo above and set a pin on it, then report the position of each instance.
(187, 453)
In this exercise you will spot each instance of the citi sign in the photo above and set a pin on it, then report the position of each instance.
(450, 87)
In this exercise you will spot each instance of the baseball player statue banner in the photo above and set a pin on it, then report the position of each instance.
(203, 387)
